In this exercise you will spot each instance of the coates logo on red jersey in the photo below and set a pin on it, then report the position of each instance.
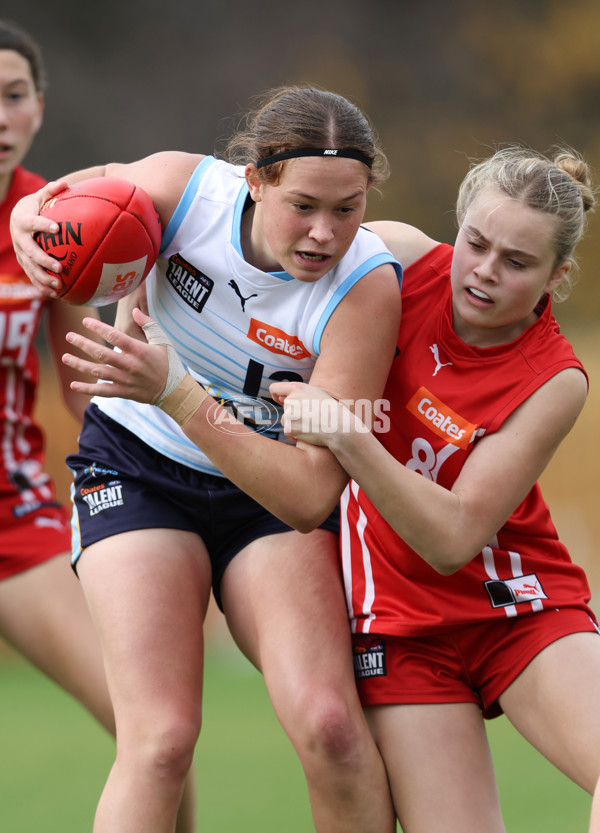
(276, 340)
(440, 418)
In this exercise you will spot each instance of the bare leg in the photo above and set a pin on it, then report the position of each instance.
(284, 605)
(186, 814)
(148, 592)
(440, 767)
(44, 616)
(595, 817)
(553, 703)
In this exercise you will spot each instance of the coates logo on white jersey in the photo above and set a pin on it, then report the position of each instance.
(440, 418)
(276, 340)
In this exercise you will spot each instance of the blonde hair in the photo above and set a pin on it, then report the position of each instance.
(560, 186)
(289, 118)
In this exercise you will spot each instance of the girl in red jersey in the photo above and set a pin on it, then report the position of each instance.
(43, 613)
(463, 602)
(40, 602)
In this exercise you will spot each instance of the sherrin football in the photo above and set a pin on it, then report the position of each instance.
(108, 239)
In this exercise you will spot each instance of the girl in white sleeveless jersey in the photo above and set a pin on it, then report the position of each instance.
(264, 274)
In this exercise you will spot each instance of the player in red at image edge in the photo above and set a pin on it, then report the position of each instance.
(264, 273)
(463, 601)
(43, 613)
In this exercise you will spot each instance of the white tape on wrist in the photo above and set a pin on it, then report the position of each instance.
(182, 403)
(156, 335)
(182, 395)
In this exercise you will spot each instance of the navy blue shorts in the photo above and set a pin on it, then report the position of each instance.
(122, 484)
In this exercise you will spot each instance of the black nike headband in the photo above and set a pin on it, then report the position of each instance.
(336, 152)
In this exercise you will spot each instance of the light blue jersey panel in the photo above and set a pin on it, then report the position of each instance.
(237, 329)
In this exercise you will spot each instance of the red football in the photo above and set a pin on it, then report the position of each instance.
(108, 239)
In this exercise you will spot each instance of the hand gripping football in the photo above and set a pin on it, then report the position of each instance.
(108, 239)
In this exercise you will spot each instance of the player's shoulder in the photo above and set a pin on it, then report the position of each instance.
(23, 182)
(407, 243)
(167, 166)
(163, 175)
(28, 180)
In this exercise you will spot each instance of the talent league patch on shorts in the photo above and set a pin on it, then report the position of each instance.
(369, 661)
(103, 496)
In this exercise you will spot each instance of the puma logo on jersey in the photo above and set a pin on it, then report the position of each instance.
(505, 592)
(243, 300)
(436, 355)
(276, 340)
(440, 418)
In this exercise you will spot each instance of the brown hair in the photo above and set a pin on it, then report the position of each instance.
(16, 39)
(289, 118)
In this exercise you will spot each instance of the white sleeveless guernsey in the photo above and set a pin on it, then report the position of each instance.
(237, 329)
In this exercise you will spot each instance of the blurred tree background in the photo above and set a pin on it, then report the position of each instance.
(444, 82)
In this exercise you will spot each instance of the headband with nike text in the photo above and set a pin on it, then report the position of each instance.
(292, 154)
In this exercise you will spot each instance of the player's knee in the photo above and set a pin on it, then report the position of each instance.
(331, 730)
(167, 748)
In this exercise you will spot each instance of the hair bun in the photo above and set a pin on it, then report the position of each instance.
(579, 171)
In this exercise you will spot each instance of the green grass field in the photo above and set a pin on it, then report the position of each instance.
(54, 760)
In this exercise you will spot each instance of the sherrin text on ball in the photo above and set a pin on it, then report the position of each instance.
(108, 239)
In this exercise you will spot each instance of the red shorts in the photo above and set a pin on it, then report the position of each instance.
(474, 664)
(32, 538)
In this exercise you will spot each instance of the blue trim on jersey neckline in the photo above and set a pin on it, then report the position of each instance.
(236, 232)
(341, 291)
(183, 206)
(184, 203)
